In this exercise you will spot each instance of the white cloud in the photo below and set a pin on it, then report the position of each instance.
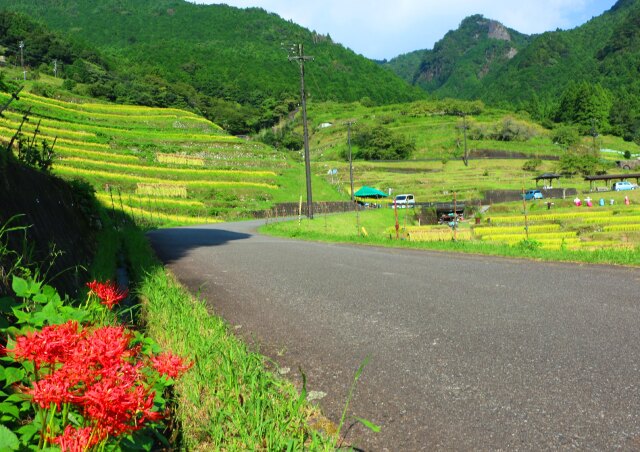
(384, 29)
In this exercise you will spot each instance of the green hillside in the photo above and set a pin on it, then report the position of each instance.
(435, 169)
(229, 63)
(541, 74)
(161, 166)
(463, 58)
(406, 65)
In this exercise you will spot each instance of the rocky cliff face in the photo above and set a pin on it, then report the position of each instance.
(498, 31)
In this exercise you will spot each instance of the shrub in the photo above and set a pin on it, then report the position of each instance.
(582, 162)
(566, 136)
(531, 165)
(379, 143)
(511, 129)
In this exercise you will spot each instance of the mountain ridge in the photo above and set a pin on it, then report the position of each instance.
(232, 56)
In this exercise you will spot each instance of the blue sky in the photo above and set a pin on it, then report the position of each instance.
(384, 29)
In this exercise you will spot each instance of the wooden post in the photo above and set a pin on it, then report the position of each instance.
(395, 208)
(300, 212)
(455, 217)
(526, 220)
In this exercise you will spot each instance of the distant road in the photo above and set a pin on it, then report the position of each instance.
(467, 352)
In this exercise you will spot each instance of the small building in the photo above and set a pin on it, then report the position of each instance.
(609, 177)
(547, 177)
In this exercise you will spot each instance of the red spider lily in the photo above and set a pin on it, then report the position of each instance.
(77, 440)
(52, 344)
(97, 371)
(107, 292)
(56, 388)
(107, 346)
(119, 403)
(170, 365)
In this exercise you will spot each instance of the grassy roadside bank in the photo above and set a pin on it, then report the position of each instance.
(341, 228)
(228, 401)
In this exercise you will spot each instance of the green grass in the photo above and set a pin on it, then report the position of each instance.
(437, 136)
(379, 224)
(228, 401)
(118, 146)
(435, 170)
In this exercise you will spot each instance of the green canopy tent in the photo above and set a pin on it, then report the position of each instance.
(368, 192)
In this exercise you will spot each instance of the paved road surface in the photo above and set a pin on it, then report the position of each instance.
(467, 352)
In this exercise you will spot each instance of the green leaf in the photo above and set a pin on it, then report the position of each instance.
(71, 313)
(13, 375)
(8, 439)
(16, 398)
(27, 432)
(361, 368)
(49, 314)
(20, 287)
(40, 298)
(370, 425)
(51, 293)
(9, 409)
(21, 316)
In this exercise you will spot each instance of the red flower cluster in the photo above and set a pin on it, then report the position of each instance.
(50, 345)
(76, 440)
(108, 292)
(97, 371)
(170, 365)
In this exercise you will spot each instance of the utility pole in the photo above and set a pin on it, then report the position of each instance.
(24, 73)
(349, 124)
(55, 68)
(465, 159)
(353, 198)
(300, 57)
(526, 220)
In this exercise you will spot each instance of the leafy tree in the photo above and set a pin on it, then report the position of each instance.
(379, 143)
(511, 129)
(282, 138)
(582, 161)
(586, 105)
(532, 165)
(565, 136)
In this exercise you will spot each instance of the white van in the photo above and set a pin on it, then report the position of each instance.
(406, 200)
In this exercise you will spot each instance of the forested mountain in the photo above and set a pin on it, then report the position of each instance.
(226, 62)
(594, 69)
(463, 58)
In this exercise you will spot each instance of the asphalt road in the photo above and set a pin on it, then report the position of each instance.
(466, 352)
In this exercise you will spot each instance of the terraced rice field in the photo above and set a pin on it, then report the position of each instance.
(147, 156)
(570, 229)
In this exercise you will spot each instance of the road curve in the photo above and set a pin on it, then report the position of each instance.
(467, 352)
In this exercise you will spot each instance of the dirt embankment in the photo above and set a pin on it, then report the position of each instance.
(58, 220)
